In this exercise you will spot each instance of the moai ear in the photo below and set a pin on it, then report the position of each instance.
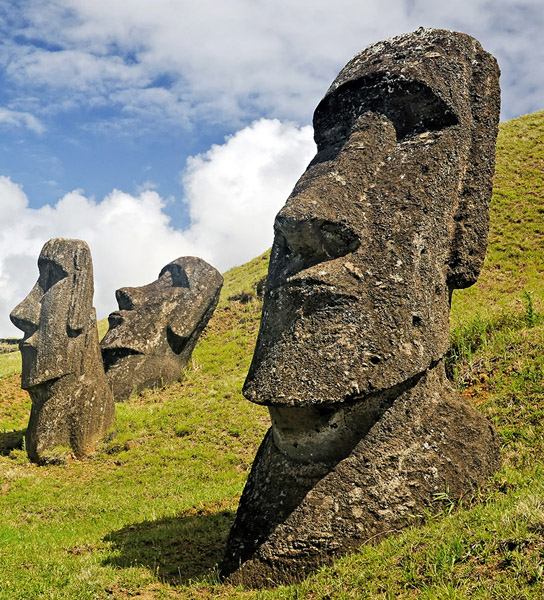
(471, 227)
(79, 311)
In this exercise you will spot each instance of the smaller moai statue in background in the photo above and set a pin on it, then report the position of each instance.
(72, 403)
(153, 334)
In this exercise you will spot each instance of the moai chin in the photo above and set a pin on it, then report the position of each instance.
(153, 334)
(72, 404)
(389, 218)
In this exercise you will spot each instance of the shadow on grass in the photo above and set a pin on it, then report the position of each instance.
(177, 549)
(11, 440)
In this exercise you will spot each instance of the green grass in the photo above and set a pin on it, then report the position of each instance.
(516, 239)
(147, 516)
(10, 363)
(102, 328)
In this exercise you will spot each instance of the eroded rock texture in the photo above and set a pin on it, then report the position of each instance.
(389, 218)
(72, 404)
(154, 332)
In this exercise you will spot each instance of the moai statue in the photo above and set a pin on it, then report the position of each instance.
(389, 218)
(72, 404)
(153, 334)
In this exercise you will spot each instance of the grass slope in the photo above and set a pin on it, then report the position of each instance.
(147, 516)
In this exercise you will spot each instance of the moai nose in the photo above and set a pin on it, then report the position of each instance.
(127, 298)
(316, 240)
(26, 315)
(303, 240)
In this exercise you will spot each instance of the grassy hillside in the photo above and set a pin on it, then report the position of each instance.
(147, 516)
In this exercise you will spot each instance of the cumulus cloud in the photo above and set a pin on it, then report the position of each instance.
(232, 191)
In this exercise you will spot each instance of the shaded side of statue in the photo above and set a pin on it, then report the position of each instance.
(72, 404)
(389, 218)
(153, 334)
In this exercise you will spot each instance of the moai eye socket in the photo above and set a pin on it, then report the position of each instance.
(176, 275)
(411, 106)
(50, 274)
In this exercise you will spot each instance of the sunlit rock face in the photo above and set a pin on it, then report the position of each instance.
(389, 218)
(153, 334)
(72, 404)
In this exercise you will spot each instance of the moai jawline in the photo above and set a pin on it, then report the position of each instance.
(153, 334)
(72, 404)
(389, 218)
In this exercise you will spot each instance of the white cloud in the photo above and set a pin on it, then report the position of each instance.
(20, 119)
(233, 192)
(235, 61)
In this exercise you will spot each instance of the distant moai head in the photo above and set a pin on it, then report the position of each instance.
(390, 216)
(57, 313)
(153, 333)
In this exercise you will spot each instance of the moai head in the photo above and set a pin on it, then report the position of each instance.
(390, 216)
(57, 313)
(152, 335)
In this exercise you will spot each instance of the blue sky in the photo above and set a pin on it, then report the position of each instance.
(158, 129)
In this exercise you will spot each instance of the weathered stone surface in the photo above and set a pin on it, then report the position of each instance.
(154, 332)
(389, 218)
(296, 516)
(72, 404)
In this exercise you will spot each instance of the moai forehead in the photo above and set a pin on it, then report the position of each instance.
(390, 216)
(422, 81)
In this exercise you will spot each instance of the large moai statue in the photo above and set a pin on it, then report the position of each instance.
(389, 218)
(72, 404)
(153, 334)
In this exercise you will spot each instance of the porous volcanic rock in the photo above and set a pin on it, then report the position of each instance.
(153, 334)
(72, 404)
(389, 218)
